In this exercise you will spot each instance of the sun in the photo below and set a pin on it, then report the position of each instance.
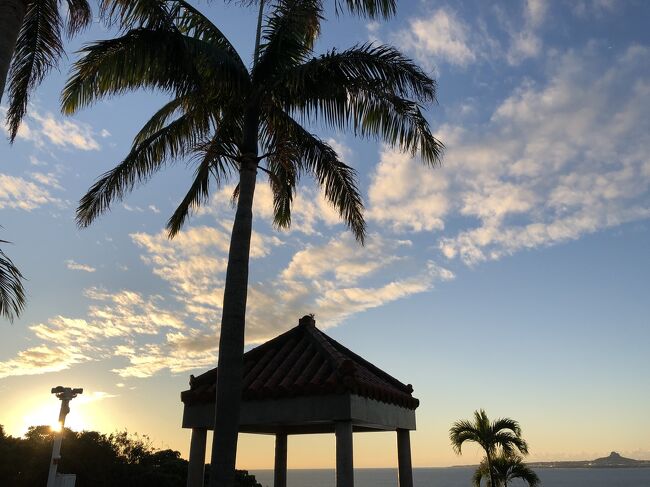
(49, 415)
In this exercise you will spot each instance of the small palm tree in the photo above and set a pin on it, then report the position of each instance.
(31, 44)
(235, 121)
(506, 468)
(502, 435)
(12, 293)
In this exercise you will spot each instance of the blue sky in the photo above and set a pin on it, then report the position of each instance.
(512, 278)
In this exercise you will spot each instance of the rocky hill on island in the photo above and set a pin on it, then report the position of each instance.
(614, 460)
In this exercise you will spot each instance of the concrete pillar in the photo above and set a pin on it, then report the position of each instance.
(280, 471)
(405, 469)
(196, 467)
(344, 454)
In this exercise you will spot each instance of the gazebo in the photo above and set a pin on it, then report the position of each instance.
(304, 382)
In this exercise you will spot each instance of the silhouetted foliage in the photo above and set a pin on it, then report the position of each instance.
(500, 439)
(506, 469)
(99, 460)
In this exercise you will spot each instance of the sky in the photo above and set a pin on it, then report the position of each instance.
(513, 278)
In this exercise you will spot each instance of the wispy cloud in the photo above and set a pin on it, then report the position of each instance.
(41, 359)
(319, 278)
(405, 195)
(23, 194)
(113, 324)
(42, 129)
(75, 266)
(594, 8)
(525, 40)
(442, 36)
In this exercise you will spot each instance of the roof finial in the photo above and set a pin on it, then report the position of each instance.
(307, 320)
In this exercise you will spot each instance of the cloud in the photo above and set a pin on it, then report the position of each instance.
(75, 266)
(311, 213)
(19, 193)
(152, 208)
(145, 335)
(440, 37)
(556, 160)
(129, 312)
(444, 37)
(525, 41)
(335, 280)
(406, 195)
(595, 8)
(94, 396)
(535, 12)
(46, 179)
(314, 279)
(181, 352)
(113, 323)
(66, 133)
(41, 359)
(342, 259)
(41, 129)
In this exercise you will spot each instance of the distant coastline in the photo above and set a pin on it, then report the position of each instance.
(614, 460)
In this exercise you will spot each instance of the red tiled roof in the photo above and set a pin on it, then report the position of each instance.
(306, 362)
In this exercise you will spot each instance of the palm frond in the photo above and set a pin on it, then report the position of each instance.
(215, 159)
(507, 468)
(147, 157)
(130, 14)
(363, 8)
(157, 59)
(160, 118)
(12, 292)
(80, 16)
(396, 121)
(194, 24)
(481, 472)
(311, 155)
(366, 66)
(38, 49)
(519, 470)
(481, 420)
(462, 431)
(506, 424)
(288, 37)
(367, 89)
(510, 443)
(282, 178)
(368, 8)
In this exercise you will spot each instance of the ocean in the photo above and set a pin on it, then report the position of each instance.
(461, 477)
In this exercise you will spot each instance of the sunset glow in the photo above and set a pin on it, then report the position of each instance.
(48, 415)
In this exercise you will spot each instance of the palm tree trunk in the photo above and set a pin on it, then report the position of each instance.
(12, 14)
(489, 462)
(233, 320)
(258, 34)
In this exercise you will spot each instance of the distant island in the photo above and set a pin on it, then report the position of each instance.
(614, 460)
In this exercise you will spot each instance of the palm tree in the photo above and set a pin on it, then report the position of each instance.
(12, 293)
(31, 44)
(506, 469)
(502, 435)
(234, 121)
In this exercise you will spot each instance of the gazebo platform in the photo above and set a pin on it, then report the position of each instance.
(304, 382)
